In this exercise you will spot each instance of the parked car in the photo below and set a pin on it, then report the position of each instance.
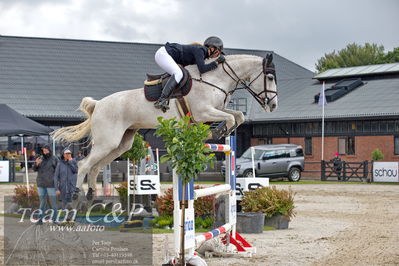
(273, 160)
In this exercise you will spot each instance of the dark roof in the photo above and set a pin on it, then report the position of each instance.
(47, 78)
(359, 71)
(12, 124)
(376, 98)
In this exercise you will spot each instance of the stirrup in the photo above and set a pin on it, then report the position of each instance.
(162, 104)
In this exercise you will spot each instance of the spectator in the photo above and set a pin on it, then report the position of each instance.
(45, 166)
(65, 177)
(80, 156)
(31, 159)
(337, 165)
(147, 164)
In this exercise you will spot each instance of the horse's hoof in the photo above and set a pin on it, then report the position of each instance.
(89, 195)
(216, 134)
(75, 196)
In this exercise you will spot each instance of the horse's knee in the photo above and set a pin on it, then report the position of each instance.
(240, 119)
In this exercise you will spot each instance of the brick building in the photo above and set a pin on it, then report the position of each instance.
(362, 115)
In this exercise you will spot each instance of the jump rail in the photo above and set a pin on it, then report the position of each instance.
(192, 241)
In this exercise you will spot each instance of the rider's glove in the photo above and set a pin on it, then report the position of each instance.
(220, 59)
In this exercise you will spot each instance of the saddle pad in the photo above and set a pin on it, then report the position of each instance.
(153, 92)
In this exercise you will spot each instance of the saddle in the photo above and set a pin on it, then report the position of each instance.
(154, 84)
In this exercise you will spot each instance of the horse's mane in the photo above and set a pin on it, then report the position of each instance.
(242, 56)
(193, 69)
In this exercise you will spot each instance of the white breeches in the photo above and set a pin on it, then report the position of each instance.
(166, 62)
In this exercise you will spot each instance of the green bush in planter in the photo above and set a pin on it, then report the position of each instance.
(270, 201)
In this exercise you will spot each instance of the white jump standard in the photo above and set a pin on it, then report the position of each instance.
(233, 241)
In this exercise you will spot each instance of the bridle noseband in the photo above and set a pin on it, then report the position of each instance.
(267, 68)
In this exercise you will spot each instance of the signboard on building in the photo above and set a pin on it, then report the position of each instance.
(4, 171)
(385, 172)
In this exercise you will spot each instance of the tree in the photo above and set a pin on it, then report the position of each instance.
(353, 55)
(135, 154)
(184, 142)
(137, 151)
(391, 56)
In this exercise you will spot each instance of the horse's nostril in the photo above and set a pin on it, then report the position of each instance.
(274, 106)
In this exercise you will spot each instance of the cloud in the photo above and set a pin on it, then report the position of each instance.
(301, 31)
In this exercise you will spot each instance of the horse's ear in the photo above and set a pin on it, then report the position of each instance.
(269, 58)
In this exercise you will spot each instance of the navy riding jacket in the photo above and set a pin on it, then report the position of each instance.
(190, 55)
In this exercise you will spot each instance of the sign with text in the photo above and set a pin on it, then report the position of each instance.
(144, 185)
(246, 184)
(4, 171)
(385, 172)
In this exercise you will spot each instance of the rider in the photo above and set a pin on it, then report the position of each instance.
(168, 56)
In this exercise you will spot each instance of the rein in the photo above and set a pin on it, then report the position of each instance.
(266, 70)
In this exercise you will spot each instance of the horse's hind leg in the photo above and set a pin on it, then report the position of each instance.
(125, 144)
(102, 145)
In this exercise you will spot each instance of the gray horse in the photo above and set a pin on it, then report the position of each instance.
(112, 121)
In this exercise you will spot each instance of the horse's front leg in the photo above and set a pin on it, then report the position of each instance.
(215, 115)
(239, 119)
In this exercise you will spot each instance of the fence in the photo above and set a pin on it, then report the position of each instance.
(344, 170)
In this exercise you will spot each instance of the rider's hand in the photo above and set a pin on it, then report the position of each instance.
(220, 59)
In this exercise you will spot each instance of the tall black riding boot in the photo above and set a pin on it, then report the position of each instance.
(163, 101)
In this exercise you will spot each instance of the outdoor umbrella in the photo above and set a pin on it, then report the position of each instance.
(13, 123)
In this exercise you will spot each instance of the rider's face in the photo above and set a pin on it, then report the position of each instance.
(213, 52)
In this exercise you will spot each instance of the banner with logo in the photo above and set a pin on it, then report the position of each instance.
(385, 172)
(246, 184)
(144, 185)
(4, 171)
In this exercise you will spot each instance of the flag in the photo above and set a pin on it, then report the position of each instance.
(322, 97)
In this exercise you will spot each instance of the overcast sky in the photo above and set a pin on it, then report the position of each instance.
(300, 30)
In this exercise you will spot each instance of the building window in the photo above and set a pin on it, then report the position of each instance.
(308, 146)
(346, 145)
(351, 145)
(396, 145)
(265, 141)
(238, 104)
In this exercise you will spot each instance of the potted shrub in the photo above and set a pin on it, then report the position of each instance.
(276, 204)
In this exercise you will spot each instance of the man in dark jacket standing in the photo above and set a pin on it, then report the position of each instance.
(45, 166)
(65, 177)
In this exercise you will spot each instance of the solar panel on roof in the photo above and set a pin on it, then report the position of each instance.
(340, 89)
(359, 71)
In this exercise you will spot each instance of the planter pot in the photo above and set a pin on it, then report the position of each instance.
(277, 221)
(250, 222)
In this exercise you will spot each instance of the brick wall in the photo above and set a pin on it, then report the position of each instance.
(364, 146)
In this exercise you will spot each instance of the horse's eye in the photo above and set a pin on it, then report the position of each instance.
(271, 78)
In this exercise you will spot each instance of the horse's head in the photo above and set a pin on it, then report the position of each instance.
(263, 85)
(268, 96)
(269, 72)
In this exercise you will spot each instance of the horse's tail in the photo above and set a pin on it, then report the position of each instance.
(74, 133)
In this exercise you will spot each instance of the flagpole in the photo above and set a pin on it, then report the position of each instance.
(322, 124)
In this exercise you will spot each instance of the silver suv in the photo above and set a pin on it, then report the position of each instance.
(273, 160)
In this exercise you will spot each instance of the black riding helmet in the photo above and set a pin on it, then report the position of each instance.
(214, 41)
